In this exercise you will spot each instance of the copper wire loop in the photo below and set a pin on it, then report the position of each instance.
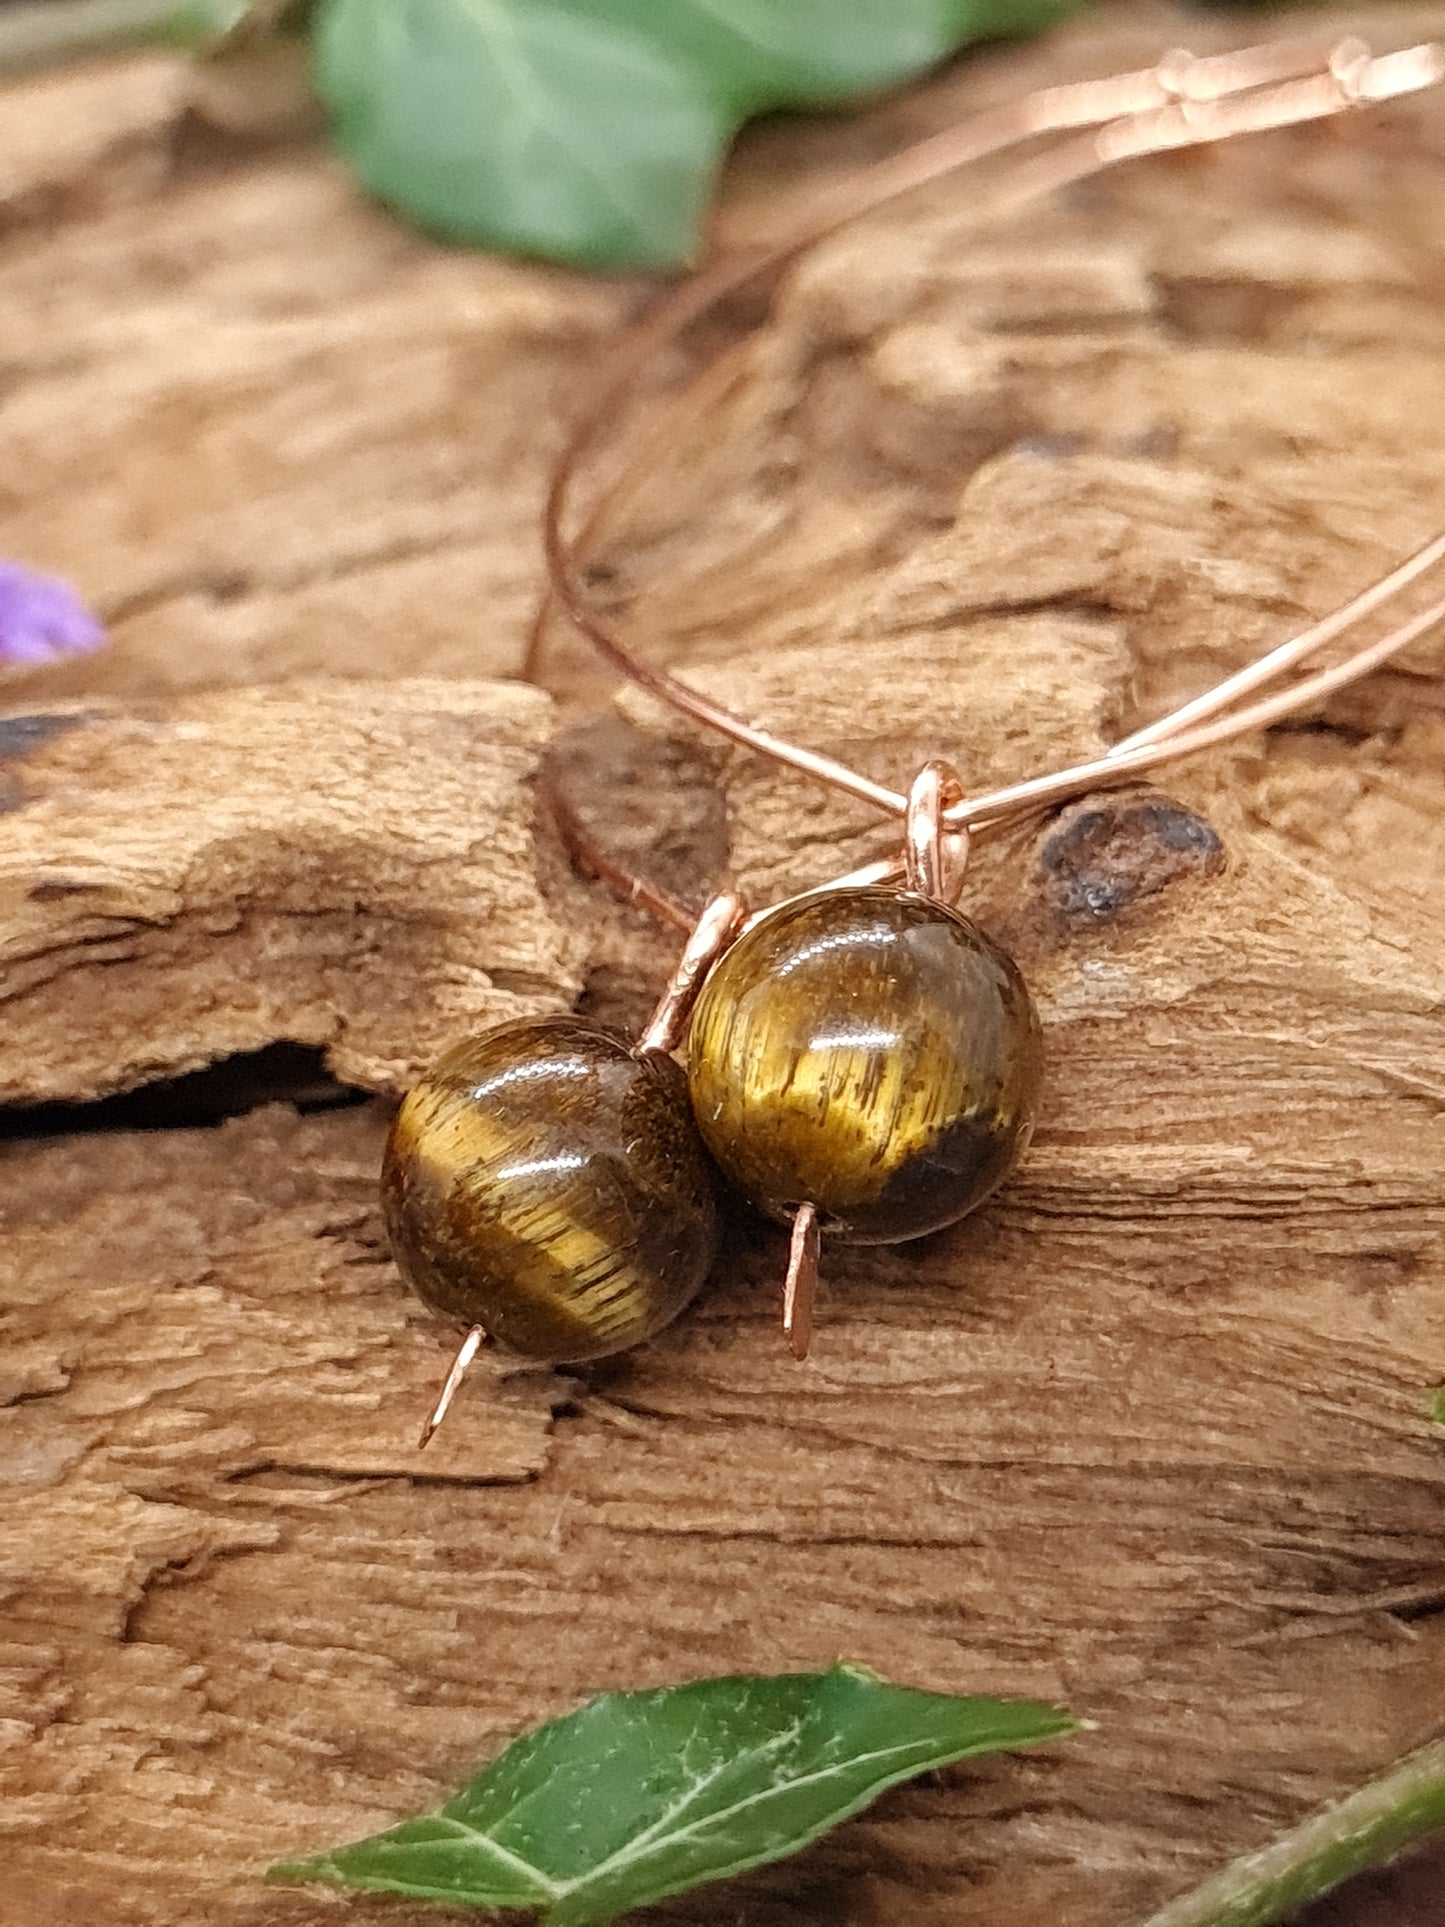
(934, 858)
(1075, 131)
(721, 920)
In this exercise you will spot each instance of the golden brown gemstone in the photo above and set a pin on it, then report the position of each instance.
(870, 1051)
(544, 1182)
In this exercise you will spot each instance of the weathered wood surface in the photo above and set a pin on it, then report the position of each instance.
(1150, 1435)
(258, 865)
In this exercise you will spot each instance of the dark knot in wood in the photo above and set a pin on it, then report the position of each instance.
(1106, 853)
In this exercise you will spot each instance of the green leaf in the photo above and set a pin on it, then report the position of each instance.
(641, 1795)
(591, 130)
(1436, 1406)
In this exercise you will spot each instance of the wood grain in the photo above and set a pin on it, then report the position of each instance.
(1149, 1435)
(250, 866)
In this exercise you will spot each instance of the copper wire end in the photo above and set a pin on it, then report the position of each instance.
(466, 1352)
(802, 1282)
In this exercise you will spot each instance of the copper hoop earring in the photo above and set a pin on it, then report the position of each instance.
(861, 1061)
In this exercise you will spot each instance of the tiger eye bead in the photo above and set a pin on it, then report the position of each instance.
(547, 1184)
(868, 1051)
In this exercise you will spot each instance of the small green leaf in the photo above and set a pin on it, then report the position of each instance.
(1435, 1406)
(591, 130)
(641, 1795)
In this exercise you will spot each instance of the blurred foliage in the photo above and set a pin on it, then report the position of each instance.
(591, 131)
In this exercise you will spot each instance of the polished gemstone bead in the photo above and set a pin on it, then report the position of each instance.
(868, 1051)
(547, 1184)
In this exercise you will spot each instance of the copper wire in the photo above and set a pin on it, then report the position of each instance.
(800, 1287)
(934, 861)
(1184, 101)
(721, 920)
(1288, 654)
(466, 1352)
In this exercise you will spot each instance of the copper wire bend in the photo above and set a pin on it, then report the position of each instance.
(1183, 101)
(934, 857)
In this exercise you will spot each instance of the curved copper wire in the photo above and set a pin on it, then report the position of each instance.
(1183, 102)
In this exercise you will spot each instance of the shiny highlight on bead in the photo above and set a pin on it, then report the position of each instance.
(544, 1182)
(870, 1052)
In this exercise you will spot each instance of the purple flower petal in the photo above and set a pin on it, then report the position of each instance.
(42, 618)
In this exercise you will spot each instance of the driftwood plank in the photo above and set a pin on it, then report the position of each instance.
(349, 866)
(1150, 1435)
(268, 431)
